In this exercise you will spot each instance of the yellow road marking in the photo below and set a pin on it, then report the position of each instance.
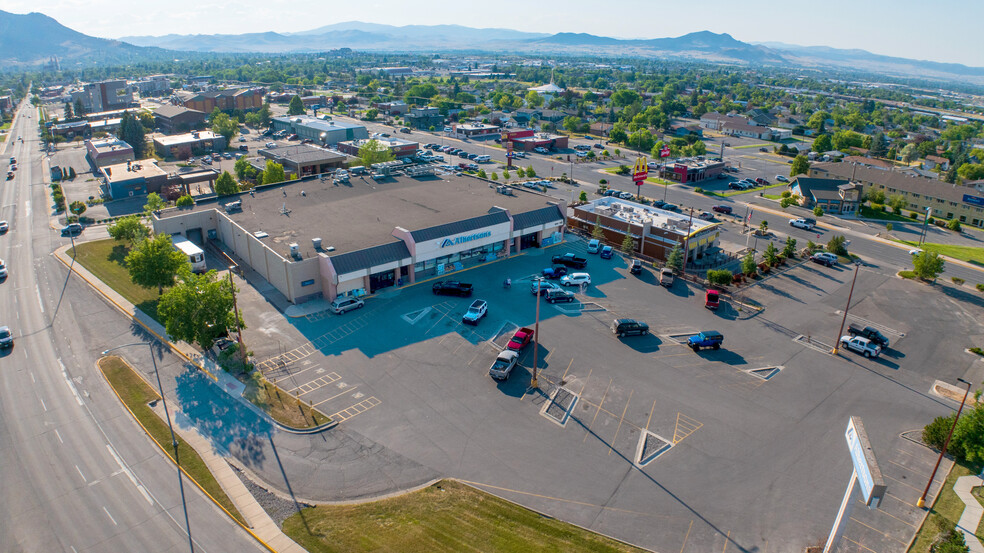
(859, 545)
(891, 515)
(336, 395)
(726, 541)
(651, 414)
(686, 536)
(612, 445)
(872, 528)
(688, 426)
(568, 368)
(599, 410)
(585, 382)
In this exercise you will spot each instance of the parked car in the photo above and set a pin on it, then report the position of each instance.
(780, 178)
(541, 150)
(726, 209)
(666, 277)
(72, 229)
(3, 270)
(6, 338)
(636, 267)
(242, 139)
(544, 287)
(801, 223)
(763, 149)
(624, 327)
(760, 180)
(606, 252)
(342, 305)
(576, 279)
(4, 227)
(477, 310)
(705, 215)
(669, 207)
(556, 295)
(705, 339)
(868, 332)
(861, 345)
(712, 299)
(452, 288)
(915, 251)
(570, 260)
(594, 246)
(271, 144)
(503, 365)
(626, 195)
(598, 147)
(520, 339)
(554, 272)
(405, 130)
(824, 258)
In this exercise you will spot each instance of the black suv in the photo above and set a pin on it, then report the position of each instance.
(556, 295)
(623, 327)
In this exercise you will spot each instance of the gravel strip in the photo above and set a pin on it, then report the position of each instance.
(278, 508)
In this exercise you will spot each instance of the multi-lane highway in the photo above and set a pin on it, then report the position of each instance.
(76, 473)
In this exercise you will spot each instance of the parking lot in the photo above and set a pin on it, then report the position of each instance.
(638, 437)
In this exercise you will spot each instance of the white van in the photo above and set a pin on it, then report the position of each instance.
(483, 159)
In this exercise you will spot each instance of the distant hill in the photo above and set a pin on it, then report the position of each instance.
(34, 38)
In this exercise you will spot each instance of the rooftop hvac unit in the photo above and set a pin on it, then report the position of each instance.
(295, 250)
(316, 242)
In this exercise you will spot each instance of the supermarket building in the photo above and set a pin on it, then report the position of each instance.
(314, 239)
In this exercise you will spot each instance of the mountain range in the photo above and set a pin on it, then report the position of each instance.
(33, 38)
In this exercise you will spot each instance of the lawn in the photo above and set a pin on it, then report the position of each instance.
(105, 259)
(970, 254)
(947, 506)
(747, 146)
(736, 192)
(136, 394)
(867, 213)
(446, 517)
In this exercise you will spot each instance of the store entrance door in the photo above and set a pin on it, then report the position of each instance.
(381, 280)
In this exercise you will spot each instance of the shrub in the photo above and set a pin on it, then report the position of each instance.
(764, 225)
(786, 194)
(932, 220)
(957, 280)
(980, 287)
(934, 433)
(481, 173)
(185, 201)
(911, 275)
(786, 202)
(913, 215)
(722, 277)
(818, 211)
(623, 170)
(603, 181)
(977, 350)
(699, 190)
(837, 245)
(583, 196)
(888, 227)
(748, 264)
(953, 225)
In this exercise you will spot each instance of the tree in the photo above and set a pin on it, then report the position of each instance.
(910, 153)
(969, 434)
(530, 172)
(597, 232)
(954, 225)
(79, 108)
(800, 166)
(618, 134)
(837, 245)
(764, 225)
(495, 176)
(822, 143)
(243, 169)
(533, 99)
(198, 309)
(371, 114)
(154, 203)
(771, 254)
(876, 196)
(897, 202)
(748, 264)
(482, 174)
(296, 106)
(927, 265)
(789, 251)
(273, 173)
(642, 140)
(128, 229)
(155, 262)
(185, 201)
(582, 197)
(879, 146)
(224, 125)
(520, 172)
(373, 152)
(133, 133)
(971, 171)
(264, 114)
(675, 260)
(818, 211)
(225, 184)
(628, 244)
(68, 110)
(505, 174)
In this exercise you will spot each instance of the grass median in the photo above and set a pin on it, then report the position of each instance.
(446, 517)
(106, 260)
(970, 254)
(947, 506)
(136, 395)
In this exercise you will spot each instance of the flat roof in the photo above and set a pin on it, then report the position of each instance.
(364, 212)
(144, 168)
(315, 123)
(391, 142)
(639, 214)
(185, 138)
(109, 145)
(302, 153)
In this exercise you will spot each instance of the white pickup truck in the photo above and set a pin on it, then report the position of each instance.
(861, 345)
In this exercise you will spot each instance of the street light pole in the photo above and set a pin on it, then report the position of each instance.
(921, 502)
(174, 442)
(857, 266)
(536, 334)
(686, 243)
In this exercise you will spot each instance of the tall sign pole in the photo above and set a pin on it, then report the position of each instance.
(866, 474)
(639, 174)
(664, 153)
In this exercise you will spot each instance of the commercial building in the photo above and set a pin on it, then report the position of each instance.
(398, 107)
(315, 239)
(71, 129)
(178, 119)
(527, 140)
(304, 159)
(425, 118)
(321, 131)
(398, 147)
(226, 100)
(946, 201)
(183, 146)
(108, 151)
(747, 130)
(655, 232)
(834, 196)
(104, 95)
(152, 85)
(133, 178)
(687, 170)
(474, 130)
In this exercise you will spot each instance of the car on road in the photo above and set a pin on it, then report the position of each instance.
(72, 229)
(405, 130)
(503, 365)
(10, 175)
(669, 207)
(544, 287)
(780, 178)
(726, 209)
(915, 251)
(554, 272)
(477, 310)
(519, 154)
(705, 339)
(802, 223)
(606, 252)
(520, 339)
(226, 155)
(6, 338)
(576, 279)
(636, 267)
(824, 258)
(3, 270)
(556, 295)
(624, 327)
(4, 227)
(341, 305)
(861, 345)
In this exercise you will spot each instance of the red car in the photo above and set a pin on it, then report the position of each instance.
(762, 181)
(520, 339)
(712, 299)
(722, 209)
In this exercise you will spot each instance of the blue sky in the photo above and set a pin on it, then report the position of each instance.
(943, 30)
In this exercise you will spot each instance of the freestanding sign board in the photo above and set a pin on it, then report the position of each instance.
(641, 171)
(664, 151)
(865, 465)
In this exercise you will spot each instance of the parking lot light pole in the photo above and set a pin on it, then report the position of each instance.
(921, 502)
(857, 266)
(536, 334)
(686, 244)
(174, 442)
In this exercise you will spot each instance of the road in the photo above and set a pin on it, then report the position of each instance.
(78, 473)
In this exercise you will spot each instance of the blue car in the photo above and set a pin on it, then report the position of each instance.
(606, 252)
(554, 272)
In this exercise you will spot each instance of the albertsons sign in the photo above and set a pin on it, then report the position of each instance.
(466, 238)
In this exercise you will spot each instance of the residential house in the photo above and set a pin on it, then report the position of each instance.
(932, 162)
(686, 130)
(734, 128)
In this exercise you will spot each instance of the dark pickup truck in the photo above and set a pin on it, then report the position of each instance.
(870, 333)
(452, 288)
(570, 260)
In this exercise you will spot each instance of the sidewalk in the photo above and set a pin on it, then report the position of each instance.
(263, 527)
(973, 510)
